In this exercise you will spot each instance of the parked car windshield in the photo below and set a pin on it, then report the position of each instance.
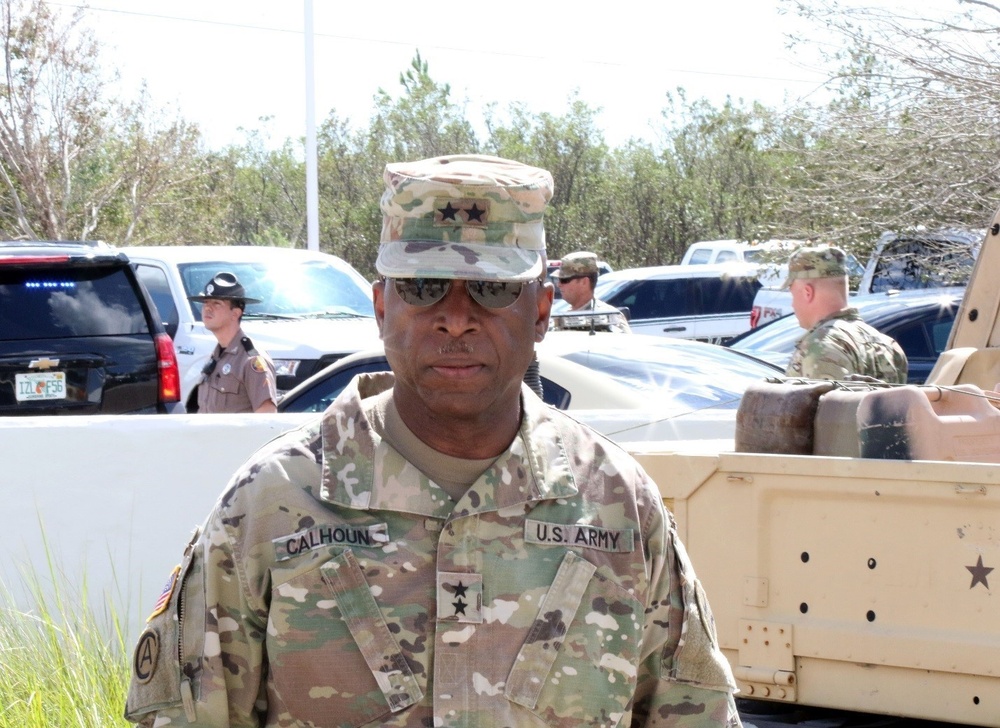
(303, 288)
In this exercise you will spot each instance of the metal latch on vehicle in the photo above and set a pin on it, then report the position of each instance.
(766, 666)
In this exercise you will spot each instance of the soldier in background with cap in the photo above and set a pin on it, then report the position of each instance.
(440, 548)
(237, 378)
(577, 278)
(837, 342)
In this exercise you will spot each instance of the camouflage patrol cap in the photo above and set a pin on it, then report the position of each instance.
(578, 264)
(468, 217)
(817, 261)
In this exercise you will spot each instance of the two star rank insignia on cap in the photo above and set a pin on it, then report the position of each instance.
(460, 597)
(463, 212)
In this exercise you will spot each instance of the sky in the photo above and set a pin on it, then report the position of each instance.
(224, 64)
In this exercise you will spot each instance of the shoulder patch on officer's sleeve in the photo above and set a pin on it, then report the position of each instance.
(168, 589)
(257, 364)
(147, 654)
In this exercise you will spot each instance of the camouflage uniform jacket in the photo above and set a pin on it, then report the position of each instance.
(335, 585)
(843, 344)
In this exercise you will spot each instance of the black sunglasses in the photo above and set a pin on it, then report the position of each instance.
(428, 291)
(573, 278)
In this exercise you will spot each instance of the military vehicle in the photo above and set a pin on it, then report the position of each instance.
(849, 542)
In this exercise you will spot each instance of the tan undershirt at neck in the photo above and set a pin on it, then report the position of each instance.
(453, 475)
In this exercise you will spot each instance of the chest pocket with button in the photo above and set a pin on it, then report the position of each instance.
(333, 658)
(580, 659)
(227, 384)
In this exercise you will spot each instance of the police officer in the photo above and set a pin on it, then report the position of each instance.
(237, 378)
(577, 278)
(439, 548)
(837, 343)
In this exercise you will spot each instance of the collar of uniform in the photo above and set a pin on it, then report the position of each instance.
(236, 342)
(844, 314)
(360, 470)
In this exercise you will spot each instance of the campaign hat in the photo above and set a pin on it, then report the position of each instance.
(224, 286)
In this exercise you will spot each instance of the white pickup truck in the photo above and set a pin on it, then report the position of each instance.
(761, 252)
(315, 308)
(849, 541)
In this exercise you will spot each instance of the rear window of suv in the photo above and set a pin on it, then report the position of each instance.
(87, 301)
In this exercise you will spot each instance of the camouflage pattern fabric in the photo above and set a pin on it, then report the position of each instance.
(578, 264)
(817, 261)
(469, 217)
(843, 344)
(335, 585)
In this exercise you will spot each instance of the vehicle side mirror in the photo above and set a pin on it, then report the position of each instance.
(626, 312)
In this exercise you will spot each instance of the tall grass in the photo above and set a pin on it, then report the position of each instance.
(63, 659)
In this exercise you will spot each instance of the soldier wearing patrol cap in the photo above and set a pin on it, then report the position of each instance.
(577, 277)
(837, 343)
(440, 548)
(238, 377)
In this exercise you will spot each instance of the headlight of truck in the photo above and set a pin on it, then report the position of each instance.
(286, 367)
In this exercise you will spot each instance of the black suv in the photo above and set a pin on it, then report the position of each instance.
(79, 334)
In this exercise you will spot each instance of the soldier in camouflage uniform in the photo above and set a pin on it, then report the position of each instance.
(579, 308)
(837, 342)
(440, 548)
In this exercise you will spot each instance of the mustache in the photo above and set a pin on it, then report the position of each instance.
(456, 347)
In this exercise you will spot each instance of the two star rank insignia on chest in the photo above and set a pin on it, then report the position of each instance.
(460, 597)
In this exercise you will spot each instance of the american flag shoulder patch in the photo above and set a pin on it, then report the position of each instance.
(168, 590)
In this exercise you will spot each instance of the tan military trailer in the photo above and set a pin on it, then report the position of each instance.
(850, 546)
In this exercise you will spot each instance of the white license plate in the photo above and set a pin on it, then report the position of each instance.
(40, 385)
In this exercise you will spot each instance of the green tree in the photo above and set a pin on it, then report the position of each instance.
(723, 169)
(572, 148)
(422, 121)
(909, 141)
(74, 164)
(268, 193)
(52, 123)
(350, 185)
(643, 184)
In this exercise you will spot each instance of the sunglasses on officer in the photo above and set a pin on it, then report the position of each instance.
(428, 291)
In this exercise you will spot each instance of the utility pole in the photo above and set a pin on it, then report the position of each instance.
(312, 176)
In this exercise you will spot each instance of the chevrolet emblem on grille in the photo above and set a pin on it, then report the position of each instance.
(45, 363)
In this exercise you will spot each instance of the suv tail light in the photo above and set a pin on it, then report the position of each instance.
(754, 317)
(170, 375)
